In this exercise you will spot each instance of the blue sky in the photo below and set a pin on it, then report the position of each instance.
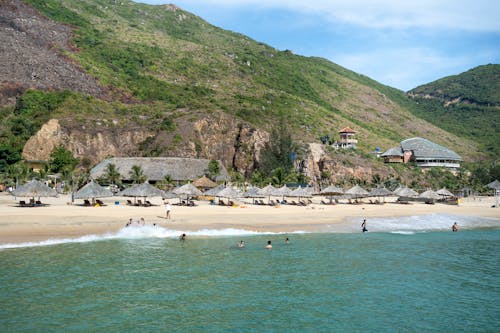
(400, 43)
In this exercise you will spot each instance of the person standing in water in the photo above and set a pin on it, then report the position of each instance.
(363, 226)
(269, 246)
(454, 228)
(182, 237)
(241, 244)
(287, 241)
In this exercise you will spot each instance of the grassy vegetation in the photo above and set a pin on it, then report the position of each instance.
(170, 61)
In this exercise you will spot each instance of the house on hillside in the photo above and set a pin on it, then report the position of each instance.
(156, 168)
(347, 139)
(424, 153)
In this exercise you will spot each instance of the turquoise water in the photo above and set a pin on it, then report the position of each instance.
(330, 282)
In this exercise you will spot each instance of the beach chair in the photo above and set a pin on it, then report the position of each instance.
(22, 203)
(148, 203)
(139, 203)
(129, 202)
(86, 202)
(324, 203)
(99, 202)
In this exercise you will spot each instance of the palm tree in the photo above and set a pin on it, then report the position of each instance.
(137, 175)
(112, 174)
(166, 183)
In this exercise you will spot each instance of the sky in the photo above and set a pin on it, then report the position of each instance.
(400, 43)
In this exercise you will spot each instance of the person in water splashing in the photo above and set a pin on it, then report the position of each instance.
(454, 228)
(363, 226)
(182, 237)
(241, 244)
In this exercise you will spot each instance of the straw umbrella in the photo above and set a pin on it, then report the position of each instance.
(300, 193)
(252, 192)
(229, 193)
(357, 192)
(187, 190)
(429, 195)
(331, 191)
(142, 190)
(444, 192)
(34, 189)
(380, 192)
(495, 186)
(204, 183)
(93, 190)
(214, 191)
(406, 192)
(269, 191)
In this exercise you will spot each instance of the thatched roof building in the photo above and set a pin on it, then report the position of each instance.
(424, 153)
(155, 168)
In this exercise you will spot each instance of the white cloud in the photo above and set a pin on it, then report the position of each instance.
(404, 68)
(479, 15)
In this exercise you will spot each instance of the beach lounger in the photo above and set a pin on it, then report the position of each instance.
(86, 202)
(129, 202)
(99, 202)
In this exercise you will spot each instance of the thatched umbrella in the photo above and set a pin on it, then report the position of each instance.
(34, 189)
(142, 190)
(204, 183)
(229, 193)
(357, 192)
(252, 192)
(331, 190)
(429, 194)
(187, 190)
(495, 185)
(406, 192)
(269, 191)
(380, 192)
(300, 193)
(93, 190)
(444, 192)
(214, 191)
(169, 195)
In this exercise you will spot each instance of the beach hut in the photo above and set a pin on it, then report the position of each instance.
(92, 191)
(34, 189)
(144, 190)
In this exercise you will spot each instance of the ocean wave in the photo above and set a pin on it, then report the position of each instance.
(140, 232)
(427, 223)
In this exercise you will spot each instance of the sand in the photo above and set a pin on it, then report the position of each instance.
(60, 219)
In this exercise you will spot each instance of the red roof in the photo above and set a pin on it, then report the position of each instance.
(347, 130)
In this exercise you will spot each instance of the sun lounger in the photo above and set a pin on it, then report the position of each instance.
(86, 202)
(99, 202)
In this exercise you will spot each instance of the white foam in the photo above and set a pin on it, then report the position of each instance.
(431, 222)
(139, 232)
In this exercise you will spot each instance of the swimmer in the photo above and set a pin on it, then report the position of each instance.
(129, 223)
(454, 228)
(287, 241)
(241, 244)
(363, 226)
(269, 246)
(182, 237)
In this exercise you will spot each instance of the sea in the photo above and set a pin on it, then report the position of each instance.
(407, 274)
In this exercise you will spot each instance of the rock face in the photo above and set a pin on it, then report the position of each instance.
(31, 57)
(220, 137)
(94, 144)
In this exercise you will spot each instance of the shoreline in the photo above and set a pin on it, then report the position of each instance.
(60, 220)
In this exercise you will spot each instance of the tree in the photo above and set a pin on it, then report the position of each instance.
(61, 158)
(112, 174)
(213, 169)
(137, 175)
(166, 183)
(277, 152)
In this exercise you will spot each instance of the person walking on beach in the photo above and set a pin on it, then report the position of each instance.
(363, 226)
(454, 228)
(269, 246)
(168, 208)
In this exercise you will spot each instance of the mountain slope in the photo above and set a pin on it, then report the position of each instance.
(164, 71)
(467, 104)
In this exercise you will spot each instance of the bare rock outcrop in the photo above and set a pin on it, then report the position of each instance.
(31, 55)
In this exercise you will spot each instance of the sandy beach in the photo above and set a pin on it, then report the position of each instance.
(60, 219)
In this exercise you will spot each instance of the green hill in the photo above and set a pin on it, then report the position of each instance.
(161, 69)
(467, 104)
